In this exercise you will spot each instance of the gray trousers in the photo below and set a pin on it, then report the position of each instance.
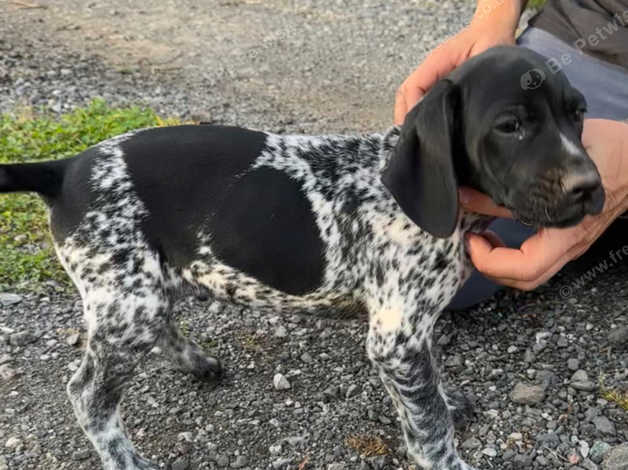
(605, 87)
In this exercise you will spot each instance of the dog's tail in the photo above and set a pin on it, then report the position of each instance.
(44, 178)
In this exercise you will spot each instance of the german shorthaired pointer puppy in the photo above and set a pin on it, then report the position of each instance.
(308, 224)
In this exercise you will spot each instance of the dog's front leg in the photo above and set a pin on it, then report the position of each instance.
(399, 344)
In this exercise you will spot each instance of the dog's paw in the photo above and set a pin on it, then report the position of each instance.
(209, 370)
(461, 408)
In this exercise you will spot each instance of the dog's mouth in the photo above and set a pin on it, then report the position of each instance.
(558, 216)
(545, 219)
(560, 207)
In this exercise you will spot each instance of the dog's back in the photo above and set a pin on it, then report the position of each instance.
(260, 219)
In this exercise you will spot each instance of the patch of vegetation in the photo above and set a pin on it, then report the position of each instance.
(367, 446)
(26, 251)
(538, 4)
(619, 397)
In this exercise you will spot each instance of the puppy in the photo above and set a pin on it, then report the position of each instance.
(309, 224)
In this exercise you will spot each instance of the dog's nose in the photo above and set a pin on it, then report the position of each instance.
(585, 187)
(579, 183)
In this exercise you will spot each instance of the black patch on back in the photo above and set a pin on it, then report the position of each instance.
(266, 228)
(182, 174)
(197, 179)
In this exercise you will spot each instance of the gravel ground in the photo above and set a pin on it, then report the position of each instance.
(531, 362)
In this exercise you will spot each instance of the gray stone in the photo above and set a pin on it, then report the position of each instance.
(295, 440)
(13, 442)
(471, 443)
(584, 448)
(618, 337)
(604, 425)
(454, 361)
(549, 439)
(80, 455)
(281, 463)
(6, 372)
(281, 332)
(240, 461)
(588, 465)
(280, 382)
(444, 340)
(598, 450)
(573, 364)
(22, 338)
(221, 460)
(73, 339)
(522, 461)
(352, 391)
(335, 466)
(546, 377)
(490, 452)
(580, 381)
(527, 394)
(528, 356)
(591, 413)
(180, 464)
(617, 458)
(7, 299)
(377, 463)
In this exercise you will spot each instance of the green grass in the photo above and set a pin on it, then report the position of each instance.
(535, 3)
(26, 254)
(619, 397)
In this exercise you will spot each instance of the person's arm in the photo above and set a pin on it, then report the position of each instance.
(494, 22)
(546, 252)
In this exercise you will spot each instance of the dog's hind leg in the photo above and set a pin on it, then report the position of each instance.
(187, 355)
(122, 328)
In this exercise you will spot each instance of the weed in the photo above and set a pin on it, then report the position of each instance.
(26, 252)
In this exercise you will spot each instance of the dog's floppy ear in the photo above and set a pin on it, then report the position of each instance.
(420, 174)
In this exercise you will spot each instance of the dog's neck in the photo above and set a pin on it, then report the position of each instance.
(388, 144)
(468, 221)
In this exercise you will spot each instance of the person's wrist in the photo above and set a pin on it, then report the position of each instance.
(498, 18)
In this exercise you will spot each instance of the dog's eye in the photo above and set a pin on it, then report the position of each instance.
(578, 114)
(508, 124)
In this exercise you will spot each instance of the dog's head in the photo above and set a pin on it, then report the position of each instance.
(504, 124)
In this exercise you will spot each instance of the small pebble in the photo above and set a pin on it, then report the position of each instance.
(280, 382)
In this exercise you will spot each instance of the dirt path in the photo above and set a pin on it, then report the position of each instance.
(323, 60)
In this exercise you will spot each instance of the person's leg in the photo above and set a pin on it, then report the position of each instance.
(604, 87)
(603, 84)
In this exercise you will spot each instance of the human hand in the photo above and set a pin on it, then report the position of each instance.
(546, 252)
(493, 24)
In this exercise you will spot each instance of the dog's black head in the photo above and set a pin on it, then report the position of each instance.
(504, 124)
